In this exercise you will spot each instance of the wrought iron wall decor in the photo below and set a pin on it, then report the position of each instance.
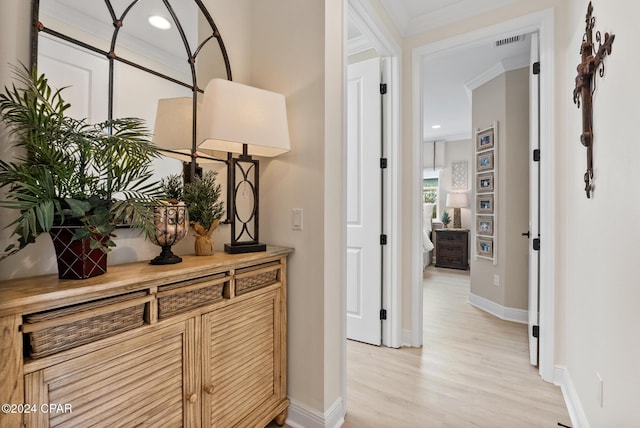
(592, 63)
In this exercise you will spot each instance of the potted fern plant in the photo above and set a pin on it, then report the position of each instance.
(73, 179)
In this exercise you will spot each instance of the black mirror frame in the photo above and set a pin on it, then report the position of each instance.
(118, 22)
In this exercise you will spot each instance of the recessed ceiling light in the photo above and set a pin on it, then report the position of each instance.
(159, 22)
(435, 127)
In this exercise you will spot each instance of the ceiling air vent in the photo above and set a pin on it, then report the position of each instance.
(507, 40)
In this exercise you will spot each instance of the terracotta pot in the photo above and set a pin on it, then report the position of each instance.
(76, 259)
(204, 241)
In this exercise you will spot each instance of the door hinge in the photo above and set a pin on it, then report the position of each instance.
(383, 314)
(536, 155)
(535, 331)
(383, 163)
(383, 88)
(383, 239)
(536, 244)
(536, 67)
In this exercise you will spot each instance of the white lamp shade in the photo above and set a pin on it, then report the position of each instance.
(234, 114)
(174, 123)
(173, 129)
(457, 200)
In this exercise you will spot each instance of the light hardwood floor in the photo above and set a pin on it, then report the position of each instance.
(473, 371)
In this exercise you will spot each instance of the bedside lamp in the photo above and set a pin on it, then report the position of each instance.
(248, 121)
(457, 201)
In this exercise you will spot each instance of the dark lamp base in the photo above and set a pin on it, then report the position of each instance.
(166, 257)
(251, 247)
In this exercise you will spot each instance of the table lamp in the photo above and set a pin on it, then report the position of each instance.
(457, 201)
(248, 121)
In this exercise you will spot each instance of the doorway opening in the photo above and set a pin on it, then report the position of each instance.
(542, 23)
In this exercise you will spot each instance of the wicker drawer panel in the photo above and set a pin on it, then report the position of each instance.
(65, 328)
(256, 277)
(183, 296)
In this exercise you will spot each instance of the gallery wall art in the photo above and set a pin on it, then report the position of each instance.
(486, 189)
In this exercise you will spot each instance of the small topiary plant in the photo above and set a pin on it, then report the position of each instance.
(446, 219)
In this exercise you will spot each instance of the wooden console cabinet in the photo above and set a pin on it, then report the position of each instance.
(206, 346)
(452, 248)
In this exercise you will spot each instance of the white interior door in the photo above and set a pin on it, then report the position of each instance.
(85, 86)
(534, 201)
(364, 257)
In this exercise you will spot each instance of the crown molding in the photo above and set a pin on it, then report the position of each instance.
(496, 70)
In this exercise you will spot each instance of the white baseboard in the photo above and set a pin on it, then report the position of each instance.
(508, 314)
(562, 378)
(300, 416)
(406, 340)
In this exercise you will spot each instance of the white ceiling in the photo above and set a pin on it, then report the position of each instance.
(414, 16)
(448, 79)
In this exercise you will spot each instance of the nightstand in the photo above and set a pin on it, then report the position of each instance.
(452, 248)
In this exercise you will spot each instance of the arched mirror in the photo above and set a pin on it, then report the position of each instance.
(116, 62)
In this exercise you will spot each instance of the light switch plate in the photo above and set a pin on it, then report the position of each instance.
(296, 219)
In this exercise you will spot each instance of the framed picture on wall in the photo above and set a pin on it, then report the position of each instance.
(484, 225)
(484, 182)
(484, 246)
(484, 140)
(459, 175)
(485, 161)
(484, 204)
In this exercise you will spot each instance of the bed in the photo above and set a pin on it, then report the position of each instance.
(427, 225)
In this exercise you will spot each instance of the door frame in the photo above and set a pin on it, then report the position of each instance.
(543, 23)
(382, 41)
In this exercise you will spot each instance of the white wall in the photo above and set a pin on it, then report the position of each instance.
(14, 43)
(456, 151)
(600, 260)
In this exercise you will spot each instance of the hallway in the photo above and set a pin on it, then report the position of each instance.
(472, 372)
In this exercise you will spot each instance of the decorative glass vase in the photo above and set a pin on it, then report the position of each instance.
(172, 223)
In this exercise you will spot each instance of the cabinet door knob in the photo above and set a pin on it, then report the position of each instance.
(193, 398)
(210, 390)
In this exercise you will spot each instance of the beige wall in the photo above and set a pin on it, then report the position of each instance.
(515, 180)
(505, 99)
(489, 105)
(308, 69)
